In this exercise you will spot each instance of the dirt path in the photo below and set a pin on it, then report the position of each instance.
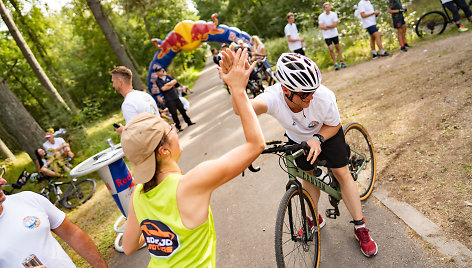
(417, 107)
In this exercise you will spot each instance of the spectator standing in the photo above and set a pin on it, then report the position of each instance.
(328, 21)
(26, 222)
(216, 56)
(395, 8)
(295, 42)
(166, 85)
(452, 6)
(57, 146)
(368, 14)
(135, 102)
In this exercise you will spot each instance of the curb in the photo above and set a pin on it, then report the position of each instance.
(428, 230)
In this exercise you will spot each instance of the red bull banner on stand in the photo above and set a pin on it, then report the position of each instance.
(187, 36)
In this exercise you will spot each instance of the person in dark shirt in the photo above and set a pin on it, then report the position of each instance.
(395, 8)
(167, 86)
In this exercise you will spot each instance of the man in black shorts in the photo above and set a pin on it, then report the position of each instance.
(396, 9)
(307, 110)
(327, 22)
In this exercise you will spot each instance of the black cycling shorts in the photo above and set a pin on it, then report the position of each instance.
(398, 23)
(334, 40)
(334, 150)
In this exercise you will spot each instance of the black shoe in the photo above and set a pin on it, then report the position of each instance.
(179, 128)
(375, 56)
(385, 54)
(191, 123)
(403, 49)
(406, 45)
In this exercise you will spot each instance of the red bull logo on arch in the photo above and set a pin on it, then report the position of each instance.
(188, 35)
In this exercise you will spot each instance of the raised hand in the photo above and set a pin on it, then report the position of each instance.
(235, 69)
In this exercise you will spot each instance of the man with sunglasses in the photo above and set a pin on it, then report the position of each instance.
(308, 112)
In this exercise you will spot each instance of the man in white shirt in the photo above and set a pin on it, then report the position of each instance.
(57, 145)
(135, 101)
(368, 14)
(295, 42)
(26, 222)
(327, 22)
(308, 112)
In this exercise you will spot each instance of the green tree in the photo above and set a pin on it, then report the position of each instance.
(29, 55)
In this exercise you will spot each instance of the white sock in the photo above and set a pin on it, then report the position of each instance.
(374, 52)
(360, 226)
(382, 51)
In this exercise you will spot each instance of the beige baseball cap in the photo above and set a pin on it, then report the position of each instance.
(139, 140)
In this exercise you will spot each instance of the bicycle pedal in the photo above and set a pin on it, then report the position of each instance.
(331, 213)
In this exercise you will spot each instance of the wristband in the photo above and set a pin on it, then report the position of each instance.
(320, 138)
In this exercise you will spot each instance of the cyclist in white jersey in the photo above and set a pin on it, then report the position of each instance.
(308, 112)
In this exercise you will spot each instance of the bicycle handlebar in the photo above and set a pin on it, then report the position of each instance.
(286, 148)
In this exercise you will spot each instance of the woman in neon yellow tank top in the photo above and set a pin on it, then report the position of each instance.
(170, 211)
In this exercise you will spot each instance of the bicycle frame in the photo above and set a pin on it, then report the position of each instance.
(294, 172)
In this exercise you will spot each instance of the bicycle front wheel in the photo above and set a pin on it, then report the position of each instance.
(362, 158)
(292, 249)
(431, 23)
(78, 193)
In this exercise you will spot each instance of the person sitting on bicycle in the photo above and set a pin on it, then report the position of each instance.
(49, 165)
(308, 112)
(169, 210)
(452, 5)
(259, 51)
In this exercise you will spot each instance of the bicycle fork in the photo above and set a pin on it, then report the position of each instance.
(305, 235)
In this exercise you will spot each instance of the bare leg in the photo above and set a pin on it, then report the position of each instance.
(331, 53)
(404, 33)
(340, 54)
(49, 172)
(378, 40)
(372, 41)
(349, 192)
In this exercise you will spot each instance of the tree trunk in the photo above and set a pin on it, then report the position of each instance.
(18, 122)
(30, 58)
(4, 149)
(44, 56)
(114, 42)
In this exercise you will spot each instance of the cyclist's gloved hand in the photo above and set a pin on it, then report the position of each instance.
(315, 150)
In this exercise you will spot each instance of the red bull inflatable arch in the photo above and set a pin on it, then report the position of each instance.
(187, 36)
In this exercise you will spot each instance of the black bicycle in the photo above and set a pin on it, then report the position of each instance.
(76, 193)
(293, 246)
(433, 22)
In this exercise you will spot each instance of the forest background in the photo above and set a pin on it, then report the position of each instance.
(72, 49)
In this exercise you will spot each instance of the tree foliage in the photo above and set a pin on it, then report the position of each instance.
(77, 50)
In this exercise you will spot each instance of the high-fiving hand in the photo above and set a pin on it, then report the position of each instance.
(235, 69)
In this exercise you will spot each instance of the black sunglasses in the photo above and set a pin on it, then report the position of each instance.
(303, 95)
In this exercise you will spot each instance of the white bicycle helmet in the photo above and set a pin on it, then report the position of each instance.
(297, 73)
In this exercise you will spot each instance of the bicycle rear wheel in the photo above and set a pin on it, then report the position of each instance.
(292, 250)
(78, 193)
(431, 23)
(362, 158)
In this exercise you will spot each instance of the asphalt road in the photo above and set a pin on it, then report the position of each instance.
(244, 209)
